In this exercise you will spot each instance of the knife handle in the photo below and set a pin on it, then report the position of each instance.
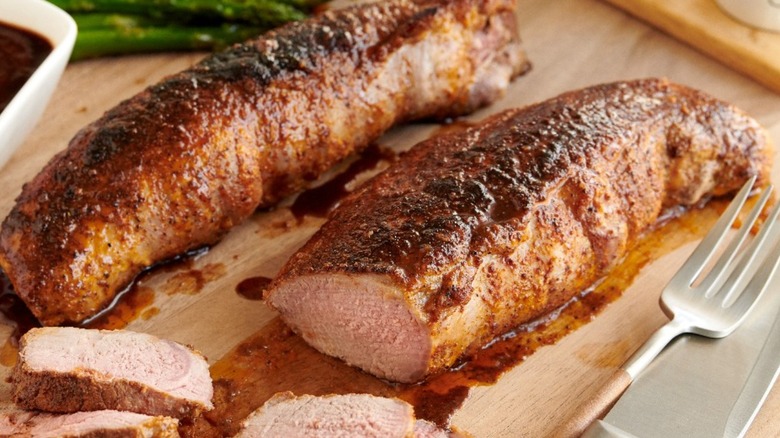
(595, 407)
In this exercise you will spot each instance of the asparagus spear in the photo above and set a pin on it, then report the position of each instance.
(117, 34)
(119, 22)
(110, 27)
(258, 12)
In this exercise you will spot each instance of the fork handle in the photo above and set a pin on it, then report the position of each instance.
(650, 349)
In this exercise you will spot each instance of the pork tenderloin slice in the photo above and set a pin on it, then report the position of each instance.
(94, 424)
(474, 233)
(66, 369)
(330, 416)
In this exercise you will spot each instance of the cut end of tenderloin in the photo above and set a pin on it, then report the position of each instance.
(66, 369)
(362, 319)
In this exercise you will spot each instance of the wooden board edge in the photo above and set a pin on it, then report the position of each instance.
(752, 52)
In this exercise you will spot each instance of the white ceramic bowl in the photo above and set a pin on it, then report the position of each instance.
(25, 108)
(763, 14)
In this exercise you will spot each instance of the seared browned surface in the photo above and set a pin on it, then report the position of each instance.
(473, 233)
(174, 167)
(64, 369)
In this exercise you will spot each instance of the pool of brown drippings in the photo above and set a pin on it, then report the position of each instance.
(191, 281)
(274, 359)
(131, 306)
(253, 288)
(318, 201)
(137, 299)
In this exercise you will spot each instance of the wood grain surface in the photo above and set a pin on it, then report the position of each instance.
(702, 24)
(572, 43)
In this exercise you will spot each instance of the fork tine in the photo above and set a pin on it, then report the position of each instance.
(696, 262)
(742, 269)
(712, 282)
(760, 280)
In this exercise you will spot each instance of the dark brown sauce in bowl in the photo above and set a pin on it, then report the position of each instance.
(21, 52)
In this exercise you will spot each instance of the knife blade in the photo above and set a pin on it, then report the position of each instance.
(761, 379)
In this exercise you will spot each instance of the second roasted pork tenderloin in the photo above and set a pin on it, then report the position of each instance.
(65, 369)
(474, 233)
(174, 167)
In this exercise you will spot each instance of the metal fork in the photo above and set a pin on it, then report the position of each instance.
(719, 302)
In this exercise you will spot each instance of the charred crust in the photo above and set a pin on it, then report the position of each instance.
(304, 46)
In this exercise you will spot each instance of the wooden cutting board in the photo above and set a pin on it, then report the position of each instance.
(702, 24)
(572, 43)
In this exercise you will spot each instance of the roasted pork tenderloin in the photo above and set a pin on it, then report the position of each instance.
(66, 369)
(95, 424)
(473, 233)
(174, 167)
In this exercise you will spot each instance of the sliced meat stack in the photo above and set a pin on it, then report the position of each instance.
(63, 369)
(349, 415)
(473, 233)
(17, 423)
